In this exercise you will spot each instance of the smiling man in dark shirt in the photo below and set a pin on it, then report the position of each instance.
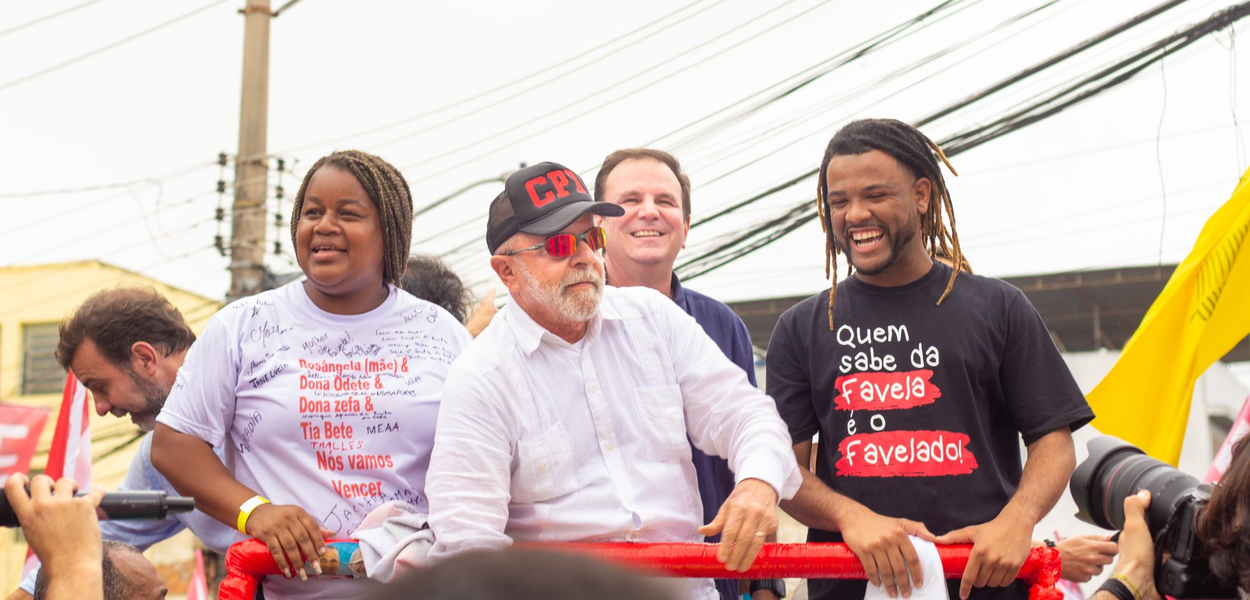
(642, 246)
(921, 381)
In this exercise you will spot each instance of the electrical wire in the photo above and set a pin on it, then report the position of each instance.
(1052, 61)
(567, 119)
(805, 77)
(760, 236)
(47, 17)
(802, 116)
(107, 47)
(876, 42)
(545, 73)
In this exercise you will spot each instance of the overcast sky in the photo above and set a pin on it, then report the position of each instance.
(1124, 179)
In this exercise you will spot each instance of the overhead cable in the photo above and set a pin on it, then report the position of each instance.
(47, 17)
(548, 74)
(1122, 71)
(107, 47)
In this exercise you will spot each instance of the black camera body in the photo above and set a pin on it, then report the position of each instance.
(1116, 470)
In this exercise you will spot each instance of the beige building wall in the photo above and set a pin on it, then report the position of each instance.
(46, 294)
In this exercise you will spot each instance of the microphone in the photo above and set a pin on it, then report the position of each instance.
(120, 505)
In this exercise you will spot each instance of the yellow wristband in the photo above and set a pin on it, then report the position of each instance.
(1132, 588)
(246, 509)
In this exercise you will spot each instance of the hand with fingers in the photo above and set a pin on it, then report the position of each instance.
(63, 530)
(748, 516)
(292, 536)
(1084, 556)
(999, 549)
(1137, 550)
(882, 545)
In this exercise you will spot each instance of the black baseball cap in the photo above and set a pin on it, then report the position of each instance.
(541, 199)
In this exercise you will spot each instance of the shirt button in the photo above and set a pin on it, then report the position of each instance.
(542, 467)
(631, 536)
(611, 447)
(594, 389)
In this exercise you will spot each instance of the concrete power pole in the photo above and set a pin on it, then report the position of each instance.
(251, 174)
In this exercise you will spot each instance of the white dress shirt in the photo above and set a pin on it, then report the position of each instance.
(539, 440)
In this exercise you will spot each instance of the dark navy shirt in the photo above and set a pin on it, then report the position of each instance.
(720, 323)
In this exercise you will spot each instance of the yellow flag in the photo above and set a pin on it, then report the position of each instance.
(1202, 312)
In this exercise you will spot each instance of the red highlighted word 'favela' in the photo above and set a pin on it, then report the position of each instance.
(885, 391)
(905, 454)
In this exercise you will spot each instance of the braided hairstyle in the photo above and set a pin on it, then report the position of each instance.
(918, 154)
(389, 192)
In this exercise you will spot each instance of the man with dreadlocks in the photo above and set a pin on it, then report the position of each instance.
(920, 379)
(325, 391)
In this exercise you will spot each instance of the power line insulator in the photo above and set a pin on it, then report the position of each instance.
(221, 186)
(277, 220)
(221, 214)
(279, 191)
(277, 248)
(221, 159)
(220, 243)
(281, 167)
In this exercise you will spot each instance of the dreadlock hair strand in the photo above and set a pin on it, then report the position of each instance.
(920, 155)
(389, 192)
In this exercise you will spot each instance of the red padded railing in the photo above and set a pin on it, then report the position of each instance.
(248, 561)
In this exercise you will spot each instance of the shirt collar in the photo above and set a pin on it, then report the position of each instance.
(679, 293)
(529, 334)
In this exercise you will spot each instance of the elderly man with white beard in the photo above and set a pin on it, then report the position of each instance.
(566, 420)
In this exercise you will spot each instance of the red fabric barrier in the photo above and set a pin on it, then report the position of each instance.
(248, 561)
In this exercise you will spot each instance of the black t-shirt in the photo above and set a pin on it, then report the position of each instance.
(920, 408)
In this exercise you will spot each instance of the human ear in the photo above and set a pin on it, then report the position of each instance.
(507, 272)
(144, 358)
(923, 190)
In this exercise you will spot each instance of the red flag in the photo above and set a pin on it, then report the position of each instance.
(70, 454)
(20, 427)
(197, 589)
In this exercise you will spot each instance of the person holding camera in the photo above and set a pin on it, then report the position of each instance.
(1205, 550)
(1133, 578)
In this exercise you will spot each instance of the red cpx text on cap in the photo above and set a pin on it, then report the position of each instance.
(542, 199)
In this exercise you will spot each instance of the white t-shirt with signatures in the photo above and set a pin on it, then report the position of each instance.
(334, 413)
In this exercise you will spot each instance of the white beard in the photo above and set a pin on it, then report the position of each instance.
(573, 307)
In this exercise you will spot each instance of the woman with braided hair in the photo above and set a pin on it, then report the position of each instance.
(920, 378)
(325, 391)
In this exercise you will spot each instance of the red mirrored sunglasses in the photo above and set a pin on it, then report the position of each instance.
(562, 245)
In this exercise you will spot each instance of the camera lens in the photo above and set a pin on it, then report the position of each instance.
(1116, 470)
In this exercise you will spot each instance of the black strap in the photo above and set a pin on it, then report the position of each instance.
(1117, 588)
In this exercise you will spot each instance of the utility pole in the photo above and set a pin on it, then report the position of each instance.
(251, 169)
